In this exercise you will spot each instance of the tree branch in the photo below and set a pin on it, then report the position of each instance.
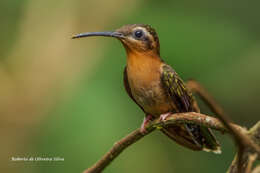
(178, 118)
(241, 162)
(248, 156)
(241, 139)
(257, 169)
(248, 142)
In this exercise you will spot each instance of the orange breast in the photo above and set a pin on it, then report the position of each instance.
(144, 73)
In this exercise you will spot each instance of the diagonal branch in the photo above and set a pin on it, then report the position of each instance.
(248, 141)
(242, 140)
(179, 118)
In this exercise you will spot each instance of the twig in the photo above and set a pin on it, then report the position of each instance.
(251, 160)
(116, 150)
(243, 162)
(189, 117)
(256, 170)
(242, 140)
(254, 134)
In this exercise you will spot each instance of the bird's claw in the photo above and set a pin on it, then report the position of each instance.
(143, 129)
(163, 117)
(145, 122)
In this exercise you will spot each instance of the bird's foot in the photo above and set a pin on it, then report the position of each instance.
(163, 117)
(145, 122)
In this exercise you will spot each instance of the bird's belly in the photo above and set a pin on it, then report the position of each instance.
(152, 99)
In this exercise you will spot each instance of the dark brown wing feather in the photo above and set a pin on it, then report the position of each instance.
(190, 135)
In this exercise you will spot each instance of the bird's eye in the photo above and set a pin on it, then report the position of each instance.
(138, 33)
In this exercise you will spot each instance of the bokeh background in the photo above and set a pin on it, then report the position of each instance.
(65, 98)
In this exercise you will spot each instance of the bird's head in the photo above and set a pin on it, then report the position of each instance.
(139, 38)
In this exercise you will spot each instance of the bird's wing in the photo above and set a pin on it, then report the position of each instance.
(191, 135)
(128, 89)
(176, 90)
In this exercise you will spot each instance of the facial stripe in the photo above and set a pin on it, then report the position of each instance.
(150, 41)
(148, 38)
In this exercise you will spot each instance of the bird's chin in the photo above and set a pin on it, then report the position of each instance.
(125, 43)
(127, 47)
(123, 40)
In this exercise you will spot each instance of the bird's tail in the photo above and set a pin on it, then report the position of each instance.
(194, 137)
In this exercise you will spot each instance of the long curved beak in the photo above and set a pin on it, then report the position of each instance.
(105, 34)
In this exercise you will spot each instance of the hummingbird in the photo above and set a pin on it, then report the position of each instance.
(156, 87)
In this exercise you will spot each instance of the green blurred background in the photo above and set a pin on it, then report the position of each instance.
(65, 98)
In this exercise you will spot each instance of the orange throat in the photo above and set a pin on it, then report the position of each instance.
(143, 68)
(141, 62)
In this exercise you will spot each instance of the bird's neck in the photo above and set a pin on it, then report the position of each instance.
(143, 67)
(141, 61)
